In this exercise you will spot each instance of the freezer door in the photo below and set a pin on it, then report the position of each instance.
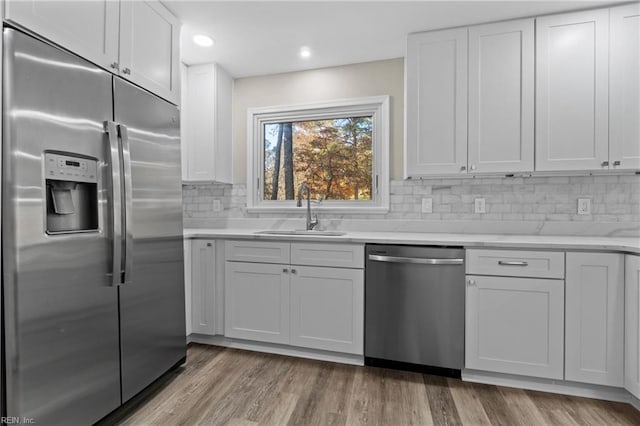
(152, 316)
(61, 312)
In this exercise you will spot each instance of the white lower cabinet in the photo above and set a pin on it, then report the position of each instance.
(327, 308)
(188, 264)
(257, 301)
(317, 305)
(632, 325)
(202, 295)
(515, 325)
(594, 345)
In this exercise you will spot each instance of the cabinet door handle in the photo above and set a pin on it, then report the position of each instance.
(126, 71)
(605, 164)
(463, 168)
(209, 244)
(473, 167)
(285, 270)
(293, 271)
(513, 263)
(114, 65)
(471, 282)
(616, 163)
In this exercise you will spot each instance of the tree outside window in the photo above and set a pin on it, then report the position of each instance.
(333, 156)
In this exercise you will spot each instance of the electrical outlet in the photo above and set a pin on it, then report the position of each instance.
(479, 205)
(584, 206)
(427, 205)
(217, 205)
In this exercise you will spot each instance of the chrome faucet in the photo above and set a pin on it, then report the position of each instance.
(311, 222)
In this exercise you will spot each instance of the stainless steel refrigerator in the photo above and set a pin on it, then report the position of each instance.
(92, 261)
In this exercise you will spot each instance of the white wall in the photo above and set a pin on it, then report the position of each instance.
(349, 81)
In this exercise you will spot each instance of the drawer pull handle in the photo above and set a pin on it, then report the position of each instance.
(512, 263)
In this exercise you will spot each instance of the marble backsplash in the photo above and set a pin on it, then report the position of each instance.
(519, 205)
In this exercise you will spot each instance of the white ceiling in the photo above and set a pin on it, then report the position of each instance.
(264, 37)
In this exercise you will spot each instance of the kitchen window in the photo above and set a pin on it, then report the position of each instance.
(340, 149)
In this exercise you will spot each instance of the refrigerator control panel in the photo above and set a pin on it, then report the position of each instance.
(65, 167)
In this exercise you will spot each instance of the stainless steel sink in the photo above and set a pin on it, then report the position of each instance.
(300, 232)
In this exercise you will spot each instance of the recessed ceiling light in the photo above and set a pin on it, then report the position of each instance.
(203, 40)
(305, 52)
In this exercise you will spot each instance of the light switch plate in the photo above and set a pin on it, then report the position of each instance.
(584, 206)
(479, 205)
(217, 205)
(427, 205)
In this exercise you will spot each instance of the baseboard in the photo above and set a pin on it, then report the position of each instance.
(549, 385)
(635, 402)
(278, 349)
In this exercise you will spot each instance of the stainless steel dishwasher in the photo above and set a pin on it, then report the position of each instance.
(414, 308)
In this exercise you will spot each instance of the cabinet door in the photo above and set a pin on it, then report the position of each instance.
(624, 108)
(501, 70)
(207, 143)
(200, 126)
(436, 103)
(203, 287)
(87, 28)
(257, 302)
(327, 308)
(594, 344)
(632, 325)
(572, 91)
(515, 325)
(149, 48)
(188, 266)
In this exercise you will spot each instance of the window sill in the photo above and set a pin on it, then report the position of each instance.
(320, 210)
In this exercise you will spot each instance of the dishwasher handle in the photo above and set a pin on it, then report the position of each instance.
(415, 260)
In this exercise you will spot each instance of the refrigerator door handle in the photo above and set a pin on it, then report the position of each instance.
(116, 200)
(128, 200)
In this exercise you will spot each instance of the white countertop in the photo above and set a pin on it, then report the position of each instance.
(618, 244)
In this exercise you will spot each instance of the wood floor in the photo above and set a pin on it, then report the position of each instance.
(220, 386)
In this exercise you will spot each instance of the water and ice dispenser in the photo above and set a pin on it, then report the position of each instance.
(72, 193)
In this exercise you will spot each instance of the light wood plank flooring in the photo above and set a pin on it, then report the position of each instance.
(220, 386)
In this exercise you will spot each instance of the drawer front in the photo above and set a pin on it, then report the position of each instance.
(516, 263)
(257, 251)
(322, 254)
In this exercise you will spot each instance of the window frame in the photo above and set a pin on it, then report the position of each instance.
(375, 106)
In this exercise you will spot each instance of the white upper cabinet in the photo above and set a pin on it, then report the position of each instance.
(501, 95)
(572, 91)
(206, 142)
(594, 318)
(87, 28)
(624, 98)
(436, 103)
(149, 46)
(138, 40)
